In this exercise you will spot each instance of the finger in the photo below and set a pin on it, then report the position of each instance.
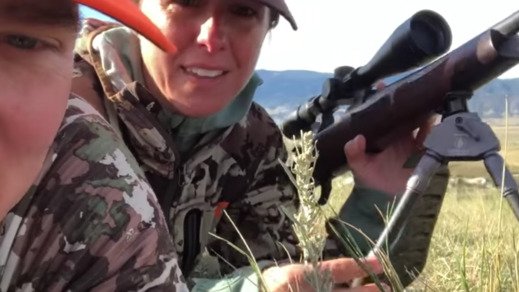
(421, 135)
(344, 270)
(355, 148)
(379, 85)
(425, 129)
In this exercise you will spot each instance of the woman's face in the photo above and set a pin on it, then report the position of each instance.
(218, 44)
(35, 76)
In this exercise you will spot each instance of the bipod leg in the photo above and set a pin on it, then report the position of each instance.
(496, 167)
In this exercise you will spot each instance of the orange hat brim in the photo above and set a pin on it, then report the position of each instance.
(128, 13)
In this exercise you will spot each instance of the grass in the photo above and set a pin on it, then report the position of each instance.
(474, 246)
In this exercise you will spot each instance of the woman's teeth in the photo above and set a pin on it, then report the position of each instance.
(204, 72)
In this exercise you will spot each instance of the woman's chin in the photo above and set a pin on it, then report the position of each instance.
(198, 110)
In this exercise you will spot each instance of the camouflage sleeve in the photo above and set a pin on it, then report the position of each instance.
(360, 221)
(93, 222)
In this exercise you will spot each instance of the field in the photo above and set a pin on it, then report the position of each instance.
(475, 246)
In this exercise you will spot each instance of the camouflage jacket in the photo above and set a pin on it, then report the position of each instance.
(90, 222)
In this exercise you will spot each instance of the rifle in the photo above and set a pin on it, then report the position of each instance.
(400, 107)
(441, 86)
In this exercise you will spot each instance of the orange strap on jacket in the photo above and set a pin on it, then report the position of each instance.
(128, 13)
(220, 208)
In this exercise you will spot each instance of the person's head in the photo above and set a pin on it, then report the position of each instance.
(36, 45)
(218, 44)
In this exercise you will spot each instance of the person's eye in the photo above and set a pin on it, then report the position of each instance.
(187, 3)
(22, 42)
(243, 10)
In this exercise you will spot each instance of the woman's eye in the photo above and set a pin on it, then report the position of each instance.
(187, 2)
(21, 42)
(243, 10)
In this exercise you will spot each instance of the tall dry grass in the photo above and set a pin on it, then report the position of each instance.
(474, 246)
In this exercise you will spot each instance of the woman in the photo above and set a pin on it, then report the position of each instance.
(190, 119)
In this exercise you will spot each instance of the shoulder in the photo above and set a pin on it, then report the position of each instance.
(85, 135)
(91, 156)
(257, 115)
(94, 171)
(96, 210)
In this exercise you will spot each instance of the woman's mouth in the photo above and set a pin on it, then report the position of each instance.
(203, 72)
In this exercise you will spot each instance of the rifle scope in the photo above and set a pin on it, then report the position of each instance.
(422, 37)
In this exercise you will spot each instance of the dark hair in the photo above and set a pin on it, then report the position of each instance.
(274, 18)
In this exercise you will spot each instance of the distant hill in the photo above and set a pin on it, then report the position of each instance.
(283, 91)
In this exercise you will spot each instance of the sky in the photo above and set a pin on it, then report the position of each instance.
(335, 33)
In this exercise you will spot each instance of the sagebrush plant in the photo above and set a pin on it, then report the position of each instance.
(309, 219)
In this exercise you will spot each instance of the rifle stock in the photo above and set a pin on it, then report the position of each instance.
(402, 106)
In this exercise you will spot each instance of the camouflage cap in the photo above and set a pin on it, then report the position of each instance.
(282, 8)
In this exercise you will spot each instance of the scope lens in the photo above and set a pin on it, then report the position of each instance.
(430, 32)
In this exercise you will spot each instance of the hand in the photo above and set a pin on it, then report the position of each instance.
(385, 171)
(292, 277)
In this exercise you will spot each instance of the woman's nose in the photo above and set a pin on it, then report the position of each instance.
(212, 35)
